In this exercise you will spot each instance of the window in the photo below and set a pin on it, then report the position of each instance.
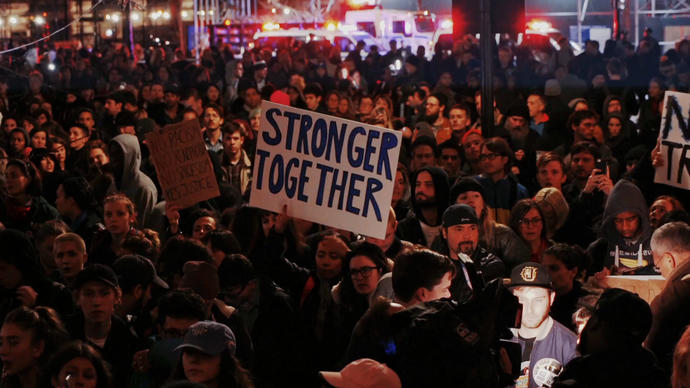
(367, 27)
(400, 27)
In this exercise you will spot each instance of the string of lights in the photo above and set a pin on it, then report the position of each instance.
(59, 30)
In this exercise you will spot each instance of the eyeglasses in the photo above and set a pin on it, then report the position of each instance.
(490, 156)
(364, 271)
(533, 221)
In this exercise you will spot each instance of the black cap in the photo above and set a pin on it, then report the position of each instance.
(137, 269)
(258, 65)
(530, 274)
(96, 272)
(459, 214)
(464, 185)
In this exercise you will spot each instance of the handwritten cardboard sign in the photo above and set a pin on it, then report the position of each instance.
(327, 170)
(182, 163)
(647, 287)
(674, 140)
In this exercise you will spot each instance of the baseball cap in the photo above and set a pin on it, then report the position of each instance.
(530, 274)
(459, 214)
(363, 373)
(258, 65)
(137, 269)
(96, 272)
(209, 337)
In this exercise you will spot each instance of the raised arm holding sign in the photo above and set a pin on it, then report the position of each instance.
(328, 170)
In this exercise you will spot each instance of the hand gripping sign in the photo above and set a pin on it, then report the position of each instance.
(327, 170)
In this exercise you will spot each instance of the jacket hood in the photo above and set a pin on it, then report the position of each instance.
(132, 155)
(607, 101)
(441, 190)
(625, 197)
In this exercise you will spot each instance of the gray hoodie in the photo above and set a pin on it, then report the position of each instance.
(134, 183)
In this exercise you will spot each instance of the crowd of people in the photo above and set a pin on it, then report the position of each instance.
(494, 270)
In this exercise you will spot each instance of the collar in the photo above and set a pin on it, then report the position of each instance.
(543, 331)
(208, 141)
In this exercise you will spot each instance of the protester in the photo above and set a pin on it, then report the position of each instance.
(98, 292)
(566, 265)
(546, 344)
(76, 363)
(27, 339)
(68, 152)
(460, 233)
(671, 250)
(625, 231)
(528, 222)
(208, 357)
(611, 351)
(23, 207)
(429, 202)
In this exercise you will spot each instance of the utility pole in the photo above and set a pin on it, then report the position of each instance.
(128, 31)
(486, 50)
(616, 19)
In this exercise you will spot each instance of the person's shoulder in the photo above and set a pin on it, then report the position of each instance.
(563, 333)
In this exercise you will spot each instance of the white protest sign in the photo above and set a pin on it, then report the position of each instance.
(327, 170)
(674, 139)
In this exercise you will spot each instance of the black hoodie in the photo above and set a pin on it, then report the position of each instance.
(409, 228)
(611, 249)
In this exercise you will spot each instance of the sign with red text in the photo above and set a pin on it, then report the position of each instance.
(327, 170)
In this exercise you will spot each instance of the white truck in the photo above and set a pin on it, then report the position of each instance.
(408, 28)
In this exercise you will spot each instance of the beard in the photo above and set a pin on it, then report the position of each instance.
(466, 247)
(431, 119)
(425, 202)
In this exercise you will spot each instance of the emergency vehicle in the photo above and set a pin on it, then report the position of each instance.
(407, 28)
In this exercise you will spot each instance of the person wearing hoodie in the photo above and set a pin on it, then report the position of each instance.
(625, 233)
(125, 159)
(429, 202)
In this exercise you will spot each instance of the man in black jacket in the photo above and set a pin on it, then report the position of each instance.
(475, 265)
(98, 292)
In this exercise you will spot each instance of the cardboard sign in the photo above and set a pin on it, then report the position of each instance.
(327, 170)
(182, 163)
(647, 287)
(674, 139)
